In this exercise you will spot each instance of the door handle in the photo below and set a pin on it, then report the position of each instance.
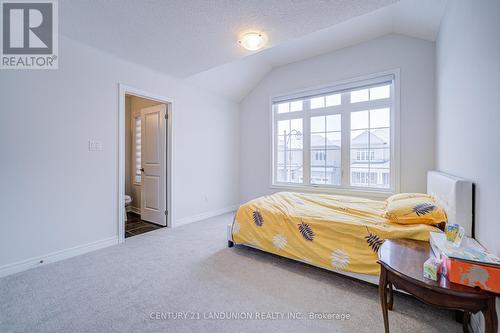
(142, 169)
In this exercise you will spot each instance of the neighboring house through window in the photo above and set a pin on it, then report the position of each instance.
(337, 137)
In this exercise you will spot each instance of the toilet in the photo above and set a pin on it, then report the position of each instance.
(128, 201)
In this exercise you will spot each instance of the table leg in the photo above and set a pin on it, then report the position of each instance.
(490, 317)
(391, 296)
(465, 321)
(382, 288)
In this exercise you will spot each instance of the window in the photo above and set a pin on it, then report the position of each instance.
(385, 178)
(325, 143)
(363, 155)
(290, 151)
(137, 148)
(363, 178)
(370, 137)
(336, 137)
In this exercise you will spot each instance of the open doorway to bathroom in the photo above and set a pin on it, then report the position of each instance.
(145, 165)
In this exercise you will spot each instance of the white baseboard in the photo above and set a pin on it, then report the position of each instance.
(56, 256)
(203, 216)
(134, 210)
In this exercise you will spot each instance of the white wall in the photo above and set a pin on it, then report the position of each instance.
(468, 106)
(468, 110)
(55, 193)
(416, 60)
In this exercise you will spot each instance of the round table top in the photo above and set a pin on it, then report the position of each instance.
(406, 258)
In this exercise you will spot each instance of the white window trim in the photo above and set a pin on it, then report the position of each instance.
(326, 89)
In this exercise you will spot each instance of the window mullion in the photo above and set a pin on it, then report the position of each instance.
(275, 149)
(289, 115)
(369, 150)
(345, 140)
(306, 141)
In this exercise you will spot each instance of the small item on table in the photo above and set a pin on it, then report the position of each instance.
(469, 264)
(458, 238)
(451, 231)
(431, 268)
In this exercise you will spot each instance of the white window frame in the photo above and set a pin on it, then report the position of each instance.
(345, 111)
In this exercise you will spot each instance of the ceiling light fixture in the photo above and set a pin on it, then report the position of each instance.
(252, 41)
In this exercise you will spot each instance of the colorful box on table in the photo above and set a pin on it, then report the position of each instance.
(470, 274)
(431, 268)
(469, 264)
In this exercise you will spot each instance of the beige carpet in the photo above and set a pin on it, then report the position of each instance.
(190, 269)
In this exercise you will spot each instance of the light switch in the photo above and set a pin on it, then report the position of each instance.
(95, 145)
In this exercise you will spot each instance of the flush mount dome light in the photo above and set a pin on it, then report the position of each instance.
(252, 41)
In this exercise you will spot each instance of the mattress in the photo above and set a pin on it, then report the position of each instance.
(339, 233)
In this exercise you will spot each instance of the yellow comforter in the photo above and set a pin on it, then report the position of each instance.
(335, 232)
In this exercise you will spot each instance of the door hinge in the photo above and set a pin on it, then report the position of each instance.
(166, 116)
(166, 212)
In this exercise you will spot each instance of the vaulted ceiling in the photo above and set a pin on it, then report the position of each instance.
(196, 40)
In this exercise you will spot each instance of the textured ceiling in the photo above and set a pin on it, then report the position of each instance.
(196, 40)
(184, 37)
(415, 18)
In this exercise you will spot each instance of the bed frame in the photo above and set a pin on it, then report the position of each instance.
(454, 194)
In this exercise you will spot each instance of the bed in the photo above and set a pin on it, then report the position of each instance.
(341, 233)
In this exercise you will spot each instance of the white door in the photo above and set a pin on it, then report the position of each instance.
(153, 152)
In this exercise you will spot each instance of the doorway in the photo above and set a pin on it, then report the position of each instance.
(145, 160)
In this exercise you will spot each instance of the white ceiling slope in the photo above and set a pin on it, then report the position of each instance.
(184, 37)
(415, 18)
(196, 40)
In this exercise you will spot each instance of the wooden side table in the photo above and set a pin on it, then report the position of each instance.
(401, 262)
